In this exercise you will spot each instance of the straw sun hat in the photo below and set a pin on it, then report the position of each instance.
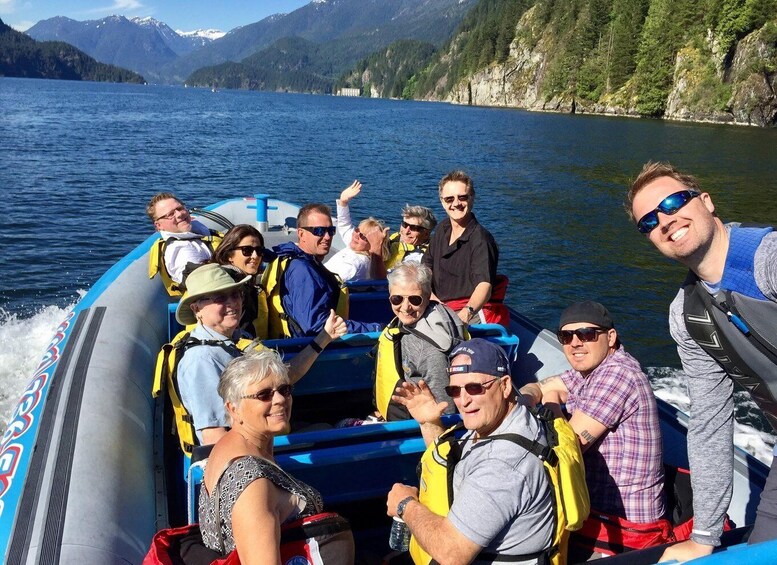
(202, 282)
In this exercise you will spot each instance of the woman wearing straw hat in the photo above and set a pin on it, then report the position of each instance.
(214, 302)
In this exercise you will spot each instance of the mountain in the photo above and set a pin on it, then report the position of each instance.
(368, 25)
(22, 56)
(390, 72)
(144, 45)
(700, 60)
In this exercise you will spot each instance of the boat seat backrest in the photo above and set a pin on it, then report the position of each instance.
(196, 475)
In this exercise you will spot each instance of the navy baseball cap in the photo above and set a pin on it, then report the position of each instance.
(485, 357)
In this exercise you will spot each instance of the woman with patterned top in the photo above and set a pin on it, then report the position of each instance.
(246, 498)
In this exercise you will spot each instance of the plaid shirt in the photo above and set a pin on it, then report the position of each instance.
(624, 469)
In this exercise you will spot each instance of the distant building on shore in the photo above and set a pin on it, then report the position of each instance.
(349, 92)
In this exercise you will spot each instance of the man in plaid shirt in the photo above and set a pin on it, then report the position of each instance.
(613, 411)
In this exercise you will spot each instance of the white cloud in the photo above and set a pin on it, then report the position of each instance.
(23, 25)
(118, 7)
(7, 6)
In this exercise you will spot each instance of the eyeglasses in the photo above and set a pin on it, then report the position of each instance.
(171, 214)
(460, 197)
(413, 227)
(669, 205)
(319, 231)
(248, 250)
(473, 389)
(266, 394)
(583, 334)
(224, 297)
(358, 232)
(414, 299)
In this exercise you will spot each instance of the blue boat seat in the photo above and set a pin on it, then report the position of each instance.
(375, 455)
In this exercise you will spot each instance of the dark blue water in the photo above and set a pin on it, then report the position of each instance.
(79, 161)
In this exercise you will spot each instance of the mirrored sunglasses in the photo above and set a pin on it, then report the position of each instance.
(414, 299)
(669, 205)
(460, 197)
(583, 334)
(473, 389)
(319, 231)
(266, 394)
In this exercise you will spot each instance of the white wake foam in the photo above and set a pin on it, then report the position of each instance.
(669, 385)
(22, 343)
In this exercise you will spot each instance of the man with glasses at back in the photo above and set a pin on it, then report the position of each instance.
(186, 241)
(463, 257)
(723, 320)
(307, 292)
(614, 414)
(502, 507)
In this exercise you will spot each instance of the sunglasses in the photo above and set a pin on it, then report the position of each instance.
(473, 389)
(223, 298)
(248, 250)
(669, 205)
(171, 214)
(414, 299)
(413, 227)
(583, 334)
(358, 232)
(266, 394)
(460, 197)
(319, 231)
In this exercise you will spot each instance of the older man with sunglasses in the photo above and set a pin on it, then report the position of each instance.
(614, 413)
(502, 499)
(463, 256)
(307, 290)
(723, 321)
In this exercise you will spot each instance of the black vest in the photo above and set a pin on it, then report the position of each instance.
(738, 325)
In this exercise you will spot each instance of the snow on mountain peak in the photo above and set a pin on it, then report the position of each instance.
(211, 34)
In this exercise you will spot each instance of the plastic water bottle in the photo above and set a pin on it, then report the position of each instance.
(399, 540)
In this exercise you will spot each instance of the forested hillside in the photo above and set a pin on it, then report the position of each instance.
(22, 56)
(391, 72)
(689, 59)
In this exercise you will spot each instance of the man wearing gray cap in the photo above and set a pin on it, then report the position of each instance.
(614, 413)
(502, 505)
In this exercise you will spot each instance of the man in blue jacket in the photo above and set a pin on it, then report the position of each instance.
(308, 290)
(723, 321)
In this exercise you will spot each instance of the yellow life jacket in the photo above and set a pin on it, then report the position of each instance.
(279, 322)
(156, 260)
(398, 250)
(262, 315)
(166, 373)
(389, 372)
(563, 463)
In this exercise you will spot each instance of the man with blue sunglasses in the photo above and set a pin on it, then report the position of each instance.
(723, 321)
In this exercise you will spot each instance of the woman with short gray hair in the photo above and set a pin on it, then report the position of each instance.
(246, 498)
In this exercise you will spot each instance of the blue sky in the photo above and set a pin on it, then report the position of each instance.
(185, 15)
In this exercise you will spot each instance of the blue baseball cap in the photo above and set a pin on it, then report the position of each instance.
(485, 357)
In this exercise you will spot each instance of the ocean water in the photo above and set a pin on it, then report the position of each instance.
(79, 161)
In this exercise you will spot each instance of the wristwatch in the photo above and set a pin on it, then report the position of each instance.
(471, 311)
(401, 506)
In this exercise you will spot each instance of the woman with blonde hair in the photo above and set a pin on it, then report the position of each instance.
(367, 246)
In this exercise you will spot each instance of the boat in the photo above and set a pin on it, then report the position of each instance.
(88, 469)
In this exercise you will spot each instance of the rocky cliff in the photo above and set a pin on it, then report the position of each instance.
(736, 86)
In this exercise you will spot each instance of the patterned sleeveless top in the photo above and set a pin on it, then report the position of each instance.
(240, 473)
